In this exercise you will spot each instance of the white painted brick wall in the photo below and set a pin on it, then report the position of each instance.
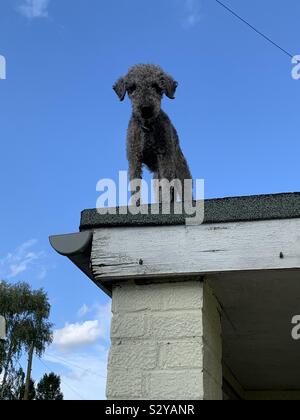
(166, 342)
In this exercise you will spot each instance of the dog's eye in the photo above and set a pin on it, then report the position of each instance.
(157, 88)
(131, 89)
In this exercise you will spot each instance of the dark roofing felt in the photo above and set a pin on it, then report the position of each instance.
(222, 210)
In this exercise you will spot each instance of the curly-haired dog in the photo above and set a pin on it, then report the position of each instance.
(152, 139)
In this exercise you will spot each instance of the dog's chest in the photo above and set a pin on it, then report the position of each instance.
(151, 150)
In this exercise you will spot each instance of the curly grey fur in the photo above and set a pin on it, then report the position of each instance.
(152, 140)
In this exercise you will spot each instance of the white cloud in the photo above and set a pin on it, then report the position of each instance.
(100, 312)
(77, 335)
(82, 334)
(79, 354)
(34, 8)
(192, 13)
(23, 259)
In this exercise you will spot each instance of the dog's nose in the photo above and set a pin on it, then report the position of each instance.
(147, 111)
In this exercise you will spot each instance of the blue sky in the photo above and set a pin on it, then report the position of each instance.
(63, 129)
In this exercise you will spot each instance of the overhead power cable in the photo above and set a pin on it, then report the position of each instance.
(63, 381)
(254, 29)
(61, 360)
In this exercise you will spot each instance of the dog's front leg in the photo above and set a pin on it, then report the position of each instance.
(167, 179)
(135, 171)
(135, 176)
(135, 160)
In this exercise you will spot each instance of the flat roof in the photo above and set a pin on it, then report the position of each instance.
(257, 305)
(221, 210)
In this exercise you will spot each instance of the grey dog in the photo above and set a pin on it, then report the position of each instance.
(152, 140)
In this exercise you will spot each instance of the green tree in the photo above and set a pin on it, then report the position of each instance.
(14, 389)
(13, 385)
(48, 389)
(14, 307)
(26, 313)
(32, 391)
(37, 332)
(17, 387)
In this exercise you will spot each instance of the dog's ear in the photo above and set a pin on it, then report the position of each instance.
(120, 88)
(170, 86)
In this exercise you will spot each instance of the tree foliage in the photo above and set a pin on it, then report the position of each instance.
(49, 388)
(26, 313)
(14, 385)
(32, 391)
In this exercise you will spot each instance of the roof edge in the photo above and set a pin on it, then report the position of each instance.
(219, 210)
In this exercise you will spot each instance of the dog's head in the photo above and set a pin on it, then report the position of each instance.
(145, 85)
